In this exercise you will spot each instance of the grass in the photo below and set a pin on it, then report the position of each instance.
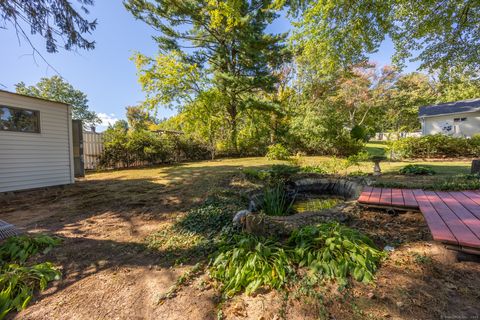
(188, 178)
(376, 148)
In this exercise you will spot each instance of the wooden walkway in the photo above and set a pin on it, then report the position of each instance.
(452, 217)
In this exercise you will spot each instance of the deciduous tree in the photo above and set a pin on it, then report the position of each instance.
(57, 89)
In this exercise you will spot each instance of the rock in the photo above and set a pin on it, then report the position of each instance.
(237, 219)
(399, 304)
(371, 295)
(389, 248)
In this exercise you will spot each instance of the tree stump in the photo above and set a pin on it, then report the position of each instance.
(475, 166)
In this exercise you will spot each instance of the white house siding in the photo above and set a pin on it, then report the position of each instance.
(33, 160)
(468, 128)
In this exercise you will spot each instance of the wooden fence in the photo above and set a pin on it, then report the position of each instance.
(92, 149)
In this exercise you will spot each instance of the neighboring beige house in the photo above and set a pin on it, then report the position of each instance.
(460, 118)
(35, 143)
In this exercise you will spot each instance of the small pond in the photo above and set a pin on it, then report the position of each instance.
(315, 203)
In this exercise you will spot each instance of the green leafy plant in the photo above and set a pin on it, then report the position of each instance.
(250, 263)
(20, 248)
(331, 250)
(208, 219)
(275, 201)
(18, 283)
(282, 172)
(277, 173)
(314, 169)
(415, 169)
(277, 152)
(256, 174)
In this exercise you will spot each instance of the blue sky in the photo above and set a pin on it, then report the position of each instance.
(105, 74)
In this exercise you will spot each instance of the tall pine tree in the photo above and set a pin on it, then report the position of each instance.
(211, 43)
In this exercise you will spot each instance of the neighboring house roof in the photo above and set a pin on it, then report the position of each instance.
(32, 97)
(463, 106)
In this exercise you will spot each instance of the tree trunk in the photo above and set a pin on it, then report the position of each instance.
(475, 166)
(233, 126)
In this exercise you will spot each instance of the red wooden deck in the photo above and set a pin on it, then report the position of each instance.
(453, 217)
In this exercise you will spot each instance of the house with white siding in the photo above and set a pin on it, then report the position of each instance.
(36, 148)
(459, 118)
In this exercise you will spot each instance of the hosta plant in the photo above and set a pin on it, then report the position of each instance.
(19, 248)
(250, 263)
(332, 250)
(18, 283)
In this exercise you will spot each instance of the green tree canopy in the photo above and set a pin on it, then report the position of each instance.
(210, 43)
(442, 35)
(57, 21)
(57, 89)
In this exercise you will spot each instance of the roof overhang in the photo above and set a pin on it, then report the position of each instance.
(32, 97)
(447, 114)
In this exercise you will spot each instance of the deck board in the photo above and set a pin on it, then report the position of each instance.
(437, 226)
(397, 198)
(463, 234)
(375, 195)
(386, 196)
(452, 217)
(365, 195)
(409, 198)
(468, 203)
(467, 218)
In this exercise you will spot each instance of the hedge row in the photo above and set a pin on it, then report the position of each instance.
(435, 146)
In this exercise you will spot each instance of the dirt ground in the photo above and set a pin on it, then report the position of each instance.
(110, 273)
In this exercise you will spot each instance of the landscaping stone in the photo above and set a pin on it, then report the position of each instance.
(239, 216)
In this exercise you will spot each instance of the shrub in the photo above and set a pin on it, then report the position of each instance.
(277, 152)
(335, 251)
(123, 147)
(415, 169)
(249, 264)
(435, 146)
(314, 169)
(359, 133)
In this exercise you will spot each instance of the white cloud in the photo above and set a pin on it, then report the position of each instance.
(107, 119)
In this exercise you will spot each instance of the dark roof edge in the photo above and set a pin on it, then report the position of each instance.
(446, 114)
(32, 97)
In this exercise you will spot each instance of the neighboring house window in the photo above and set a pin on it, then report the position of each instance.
(18, 119)
(459, 119)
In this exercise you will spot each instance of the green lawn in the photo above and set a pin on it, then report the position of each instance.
(376, 148)
(202, 172)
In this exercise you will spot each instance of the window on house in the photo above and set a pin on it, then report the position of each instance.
(459, 119)
(19, 120)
